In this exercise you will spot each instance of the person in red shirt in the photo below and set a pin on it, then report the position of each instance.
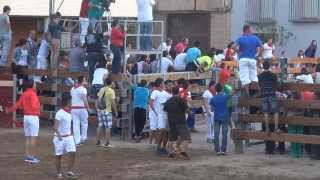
(84, 20)
(117, 39)
(224, 74)
(181, 46)
(29, 102)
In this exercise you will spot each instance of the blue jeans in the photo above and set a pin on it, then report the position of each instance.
(146, 28)
(218, 124)
(5, 42)
(116, 61)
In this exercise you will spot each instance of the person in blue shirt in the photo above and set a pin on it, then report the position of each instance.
(219, 106)
(193, 54)
(140, 103)
(249, 46)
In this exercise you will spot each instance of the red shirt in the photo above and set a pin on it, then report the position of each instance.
(29, 102)
(180, 47)
(84, 9)
(224, 76)
(117, 37)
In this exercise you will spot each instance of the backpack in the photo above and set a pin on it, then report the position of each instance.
(102, 102)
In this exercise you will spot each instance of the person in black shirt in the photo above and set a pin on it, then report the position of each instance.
(268, 85)
(178, 130)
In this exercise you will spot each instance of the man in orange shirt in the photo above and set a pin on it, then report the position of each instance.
(224, 74)
(29, 102)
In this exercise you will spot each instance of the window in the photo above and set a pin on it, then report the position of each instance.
(261, 11)
(305, 10)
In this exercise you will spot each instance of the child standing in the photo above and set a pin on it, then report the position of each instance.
(30, 103)
(219, 105)
(63, 138)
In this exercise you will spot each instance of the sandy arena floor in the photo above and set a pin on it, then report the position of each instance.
(138, 162)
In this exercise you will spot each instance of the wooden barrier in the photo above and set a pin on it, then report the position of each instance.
(241, 120)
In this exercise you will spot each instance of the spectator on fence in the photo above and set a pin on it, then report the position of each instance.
(153, 63)
(193, 53)
(179, 136)
(117, 41)
(219, 105)
(179, 63)
(20, 59)
(5, 35)
(166, 46)
(76, 57)
(317, 75)
(165, 63)
(200, 65)
(42, 56)
(268, 83)
(249, 45)
(145, 18)
(181, 46)
(99, 77)
(30, 103)
(300, 54)
(311, 51)
(230, 52)
(140, 103)
(95, 13)
(55, 30)
(305, 77)
(94, 50)
(32, 48)
(224, 74)
(142, 66)
(63, 139)
(106, 104)
(79, 110)
(207, 95)
(268, 50)
(84, 20)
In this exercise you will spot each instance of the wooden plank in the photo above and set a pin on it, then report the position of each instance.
(305, 60)
(282, 137)
(290, 120)
(288, 104)
(48, 100)
(196, 103)
(300, 87)
(173, 76)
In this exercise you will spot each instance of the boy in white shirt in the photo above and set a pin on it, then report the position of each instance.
(63, 138)
(80, 107)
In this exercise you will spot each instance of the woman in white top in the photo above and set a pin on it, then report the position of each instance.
(268, 50)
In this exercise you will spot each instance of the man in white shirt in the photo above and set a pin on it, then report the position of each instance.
(63, 139)
(305, 77)
(166, 46)
(180, 62)
(5, 35)
(145, 16)
(80, 107)
(207, 95)
(165, 62)
(99, 75)
(268, 50)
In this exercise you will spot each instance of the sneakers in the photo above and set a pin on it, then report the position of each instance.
(98, 144)
(31, 159)
(59, 176)
(71, 175)
(107, 146)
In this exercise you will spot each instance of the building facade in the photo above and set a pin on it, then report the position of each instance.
(207, 21)
(292, 23)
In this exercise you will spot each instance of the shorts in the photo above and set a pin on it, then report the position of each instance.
(162, 120)
(31, 125)
(269, 104)
(179, 130)
(248, 71)
(67, 145)
(153, 120)
(95, 88)
(104, 119)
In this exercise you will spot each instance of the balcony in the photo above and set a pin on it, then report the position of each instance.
(193, 5)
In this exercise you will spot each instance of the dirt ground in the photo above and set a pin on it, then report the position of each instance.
(138, 162)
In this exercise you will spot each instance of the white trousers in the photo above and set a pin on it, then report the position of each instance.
(248, 71)
(84, 24)
(210, 127)
(80, 124)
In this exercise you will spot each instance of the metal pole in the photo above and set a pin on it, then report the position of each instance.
(14, 99)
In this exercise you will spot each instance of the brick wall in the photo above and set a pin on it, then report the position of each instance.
(220, 30)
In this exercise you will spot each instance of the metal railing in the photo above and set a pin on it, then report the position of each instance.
(304, 11)
(261, 11)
